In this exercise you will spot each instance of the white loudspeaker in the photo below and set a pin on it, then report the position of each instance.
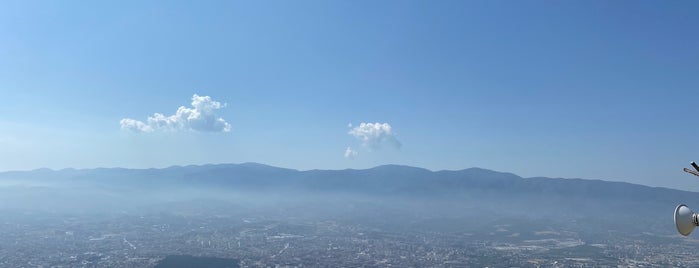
(685, 220)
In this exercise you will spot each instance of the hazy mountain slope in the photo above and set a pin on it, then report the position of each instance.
(388, 179)
(475, 192)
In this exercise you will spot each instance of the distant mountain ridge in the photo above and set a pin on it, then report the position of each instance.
(385, 179)
(480, 192)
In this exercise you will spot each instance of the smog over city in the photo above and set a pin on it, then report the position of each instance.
(349, 134)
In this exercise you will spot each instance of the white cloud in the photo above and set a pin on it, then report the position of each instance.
(373, 135)
(134, 125)
(199, 117)
(349, 153)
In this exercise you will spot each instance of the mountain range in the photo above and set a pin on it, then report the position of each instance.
(386, 179)
(472, 189)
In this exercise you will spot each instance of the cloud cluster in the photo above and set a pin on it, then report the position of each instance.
(350, 153)
(374, 135)
(199, 117)
(134, 125)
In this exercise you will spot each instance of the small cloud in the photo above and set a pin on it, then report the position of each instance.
(349, 153)
(374, 135)
(134, 125)
(199, 117)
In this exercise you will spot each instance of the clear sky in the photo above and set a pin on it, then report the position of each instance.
(581, 89)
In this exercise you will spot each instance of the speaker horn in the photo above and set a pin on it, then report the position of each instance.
(685, 219)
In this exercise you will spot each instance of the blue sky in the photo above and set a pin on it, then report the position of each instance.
(589, 89)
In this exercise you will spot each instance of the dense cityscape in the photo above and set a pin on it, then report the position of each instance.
(123, 240)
